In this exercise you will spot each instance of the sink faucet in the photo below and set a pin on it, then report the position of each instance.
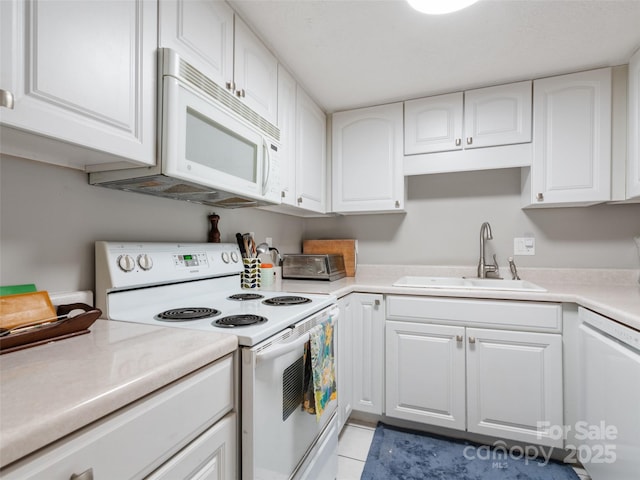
(484, 270)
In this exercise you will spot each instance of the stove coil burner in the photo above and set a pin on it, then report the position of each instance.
(238, 321)
(186, 314)
(245, 296)
(286, 300)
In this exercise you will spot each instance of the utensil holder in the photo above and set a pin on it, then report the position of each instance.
(250, 277)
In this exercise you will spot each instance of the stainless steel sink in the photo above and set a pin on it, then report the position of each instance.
(468, 283)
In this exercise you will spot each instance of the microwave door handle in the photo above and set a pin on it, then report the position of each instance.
(266, 165)
(281, 349)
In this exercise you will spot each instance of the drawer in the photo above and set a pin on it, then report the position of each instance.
(211, 455)
(137, 439)
(512, 315)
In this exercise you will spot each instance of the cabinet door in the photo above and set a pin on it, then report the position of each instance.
(311, 168)
(368, 352)
(433, 124)
(498, 115)
(255, 73)
(83, 73)
(514, 382)
(201, 31)
(367, 160)
(425, 373)
(633, 154)
(572, 139)
(287, 125)
(345, 360)
(211, 456)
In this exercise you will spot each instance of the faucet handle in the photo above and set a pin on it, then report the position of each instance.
(493, 271)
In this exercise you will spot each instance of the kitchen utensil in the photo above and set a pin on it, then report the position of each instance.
(264, 248)
(241, 245)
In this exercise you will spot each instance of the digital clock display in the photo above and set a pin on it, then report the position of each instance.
(190, 260)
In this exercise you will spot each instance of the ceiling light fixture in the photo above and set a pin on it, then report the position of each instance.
(439, 7)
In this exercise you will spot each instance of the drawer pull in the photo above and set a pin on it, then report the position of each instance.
(472, 339)
(86, 475)
(459, 338)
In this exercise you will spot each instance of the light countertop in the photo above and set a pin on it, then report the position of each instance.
(614, 294)
(54, 389)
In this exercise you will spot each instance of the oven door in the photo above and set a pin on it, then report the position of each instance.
(277, 434)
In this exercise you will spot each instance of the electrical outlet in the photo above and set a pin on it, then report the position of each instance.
(524, 246)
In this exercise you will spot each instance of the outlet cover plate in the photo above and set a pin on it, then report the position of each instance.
(524, 246)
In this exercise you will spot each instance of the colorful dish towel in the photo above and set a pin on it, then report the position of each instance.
(319, 369)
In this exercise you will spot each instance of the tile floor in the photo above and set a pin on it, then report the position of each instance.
(353, 448)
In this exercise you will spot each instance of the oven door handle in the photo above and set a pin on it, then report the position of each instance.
(281, 349)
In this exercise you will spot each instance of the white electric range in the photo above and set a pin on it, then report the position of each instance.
(197, 286)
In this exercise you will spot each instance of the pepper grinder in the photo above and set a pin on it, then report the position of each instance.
(214, 233)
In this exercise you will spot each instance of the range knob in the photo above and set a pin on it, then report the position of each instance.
(234, 257)
(126, 263)
(145, 261)
(225, 257)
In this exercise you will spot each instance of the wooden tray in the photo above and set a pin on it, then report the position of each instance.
(40, 335)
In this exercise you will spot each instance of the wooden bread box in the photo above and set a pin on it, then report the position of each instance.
(348, 248)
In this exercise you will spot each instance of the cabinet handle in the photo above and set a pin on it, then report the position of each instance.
(458, 142)
(459, 338)
(540, 197)
(397, 204)
(283, 194)
(299, 199)
(86, 475)
(469, 140)
(6, 99)
(231, 86)
(240, 93)
(472, 339)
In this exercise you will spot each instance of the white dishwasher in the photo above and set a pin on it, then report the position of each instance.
(608, 425)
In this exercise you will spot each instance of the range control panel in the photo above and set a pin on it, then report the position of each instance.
(129, 264)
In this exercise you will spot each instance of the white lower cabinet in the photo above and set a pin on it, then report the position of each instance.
(444, 371)
(186, 430)
(345, 360)
(425, 373)
(368, 352)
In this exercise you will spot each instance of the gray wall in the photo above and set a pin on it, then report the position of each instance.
(50, 217)
(443, 217)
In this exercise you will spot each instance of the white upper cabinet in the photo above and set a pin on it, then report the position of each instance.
(572, 141)
(433, 124)
(83, 78)
(303, 160)
(633, 139)
(311, 154)
(287, 123)
(497, 115)
(255, 73)
(202, 33)
(446, 133)
(367, 160)
(212, 39)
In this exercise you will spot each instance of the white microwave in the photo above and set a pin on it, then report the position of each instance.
(213, 148)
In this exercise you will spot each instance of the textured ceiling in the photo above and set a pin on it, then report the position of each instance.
(350, 54)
